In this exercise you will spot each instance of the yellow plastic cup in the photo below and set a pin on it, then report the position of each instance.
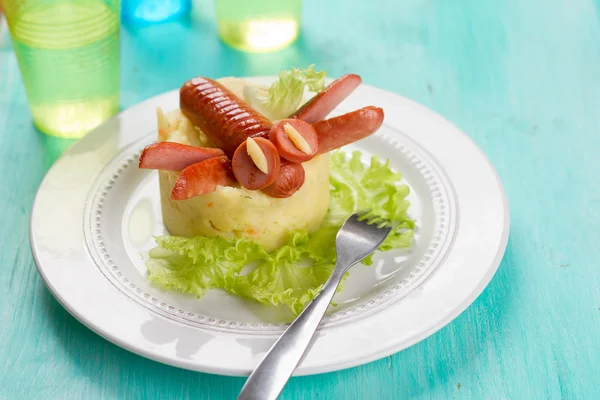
(68, 55)
(258, 25)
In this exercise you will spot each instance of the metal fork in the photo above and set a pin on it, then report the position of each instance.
(357, 238)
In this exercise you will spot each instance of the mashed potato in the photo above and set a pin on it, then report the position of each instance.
(234, 212)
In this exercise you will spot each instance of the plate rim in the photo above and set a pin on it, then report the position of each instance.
(385, 351)
(440, 194)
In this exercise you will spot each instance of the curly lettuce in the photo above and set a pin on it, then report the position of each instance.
(292, 275)
(285, 94)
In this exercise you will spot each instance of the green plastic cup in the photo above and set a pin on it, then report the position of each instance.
(68, 55)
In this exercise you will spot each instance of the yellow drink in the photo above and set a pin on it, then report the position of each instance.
(258, 25)
(68, 54)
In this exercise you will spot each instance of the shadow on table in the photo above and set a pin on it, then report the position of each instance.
(435, 365)
(121, 374)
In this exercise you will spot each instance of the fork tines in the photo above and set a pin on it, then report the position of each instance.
(371, 219)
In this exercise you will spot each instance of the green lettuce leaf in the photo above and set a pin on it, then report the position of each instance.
(283, 97)
(192, 265)
(292, 275)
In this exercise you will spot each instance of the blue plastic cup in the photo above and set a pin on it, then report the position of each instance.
(143, 12)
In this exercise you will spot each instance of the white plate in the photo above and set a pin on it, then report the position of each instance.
(96, 212)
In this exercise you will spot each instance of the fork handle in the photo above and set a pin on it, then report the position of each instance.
(273, 372)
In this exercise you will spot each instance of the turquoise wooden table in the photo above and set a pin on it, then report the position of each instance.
(522, 78)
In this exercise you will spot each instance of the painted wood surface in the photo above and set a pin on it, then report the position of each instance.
(522, 78)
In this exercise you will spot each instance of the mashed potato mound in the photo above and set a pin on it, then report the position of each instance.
(234, 212)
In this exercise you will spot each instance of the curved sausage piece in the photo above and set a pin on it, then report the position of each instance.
(286, 147)
(221, 115)
(171, 156)
(203, 177)
(325, 102)
(290, 179)
(247, 173)
(348, 128)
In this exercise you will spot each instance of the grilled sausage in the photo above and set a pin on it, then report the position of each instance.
(289, 180)
(348, 128)
(203, 177)
(172, 156)
(226, 119)
(286, 146)
(326, 101)
(247, 173)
